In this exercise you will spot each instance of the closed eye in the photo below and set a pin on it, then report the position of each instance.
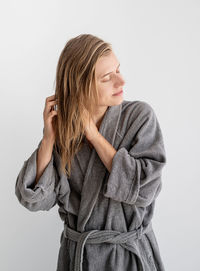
(106, 80)
(110, 78)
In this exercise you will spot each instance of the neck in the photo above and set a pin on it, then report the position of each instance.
(99, 114)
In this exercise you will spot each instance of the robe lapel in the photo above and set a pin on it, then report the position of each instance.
(96, 170)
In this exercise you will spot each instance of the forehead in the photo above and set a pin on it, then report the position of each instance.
(106, 64)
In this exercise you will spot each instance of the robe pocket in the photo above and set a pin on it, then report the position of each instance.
(148, 252)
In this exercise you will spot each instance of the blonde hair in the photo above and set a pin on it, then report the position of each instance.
(76, 87)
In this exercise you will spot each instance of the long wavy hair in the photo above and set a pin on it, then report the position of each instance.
(76, 88)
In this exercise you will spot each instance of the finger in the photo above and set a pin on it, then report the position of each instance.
(50, 98)
(52, 95)
(50, 103)
(49, 106)
(52, 114)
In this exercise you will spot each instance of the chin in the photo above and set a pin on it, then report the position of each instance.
(118, 100)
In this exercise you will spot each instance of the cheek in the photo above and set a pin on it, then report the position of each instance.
(107, 89)
(106, 93)
(102, 91)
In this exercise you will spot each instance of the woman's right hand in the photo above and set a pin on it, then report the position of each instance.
(48, 114)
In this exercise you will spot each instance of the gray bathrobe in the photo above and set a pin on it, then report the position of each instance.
(107, 216)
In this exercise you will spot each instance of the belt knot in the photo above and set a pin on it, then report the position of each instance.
(125, 239)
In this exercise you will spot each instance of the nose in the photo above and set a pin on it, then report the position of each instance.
(119, 81)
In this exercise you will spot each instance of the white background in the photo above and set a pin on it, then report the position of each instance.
(157, 44)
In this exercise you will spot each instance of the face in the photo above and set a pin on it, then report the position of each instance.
(109, 80)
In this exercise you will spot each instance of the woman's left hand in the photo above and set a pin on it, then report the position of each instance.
(91, 129)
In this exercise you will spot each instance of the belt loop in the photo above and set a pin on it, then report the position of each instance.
(139, 232)
(65, 231)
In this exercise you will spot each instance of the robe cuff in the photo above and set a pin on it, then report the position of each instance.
(27, 176)
(121, 185)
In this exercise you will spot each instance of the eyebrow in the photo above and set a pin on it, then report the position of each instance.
(108, 72)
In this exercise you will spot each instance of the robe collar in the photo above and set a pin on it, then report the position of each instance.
(96, 170)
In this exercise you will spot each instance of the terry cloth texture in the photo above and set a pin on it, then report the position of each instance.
(105, 210)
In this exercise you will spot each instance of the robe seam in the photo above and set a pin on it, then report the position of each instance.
(119, 134)
(129, 194)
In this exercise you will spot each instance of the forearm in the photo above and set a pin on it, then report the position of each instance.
(104, 149)
(44, 155)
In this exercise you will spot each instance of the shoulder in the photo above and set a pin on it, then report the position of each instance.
(133, 115)
(136, 109)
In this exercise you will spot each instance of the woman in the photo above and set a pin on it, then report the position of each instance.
(100, 159)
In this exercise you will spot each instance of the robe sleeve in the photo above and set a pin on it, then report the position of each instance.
(135, 177)
(43, 195)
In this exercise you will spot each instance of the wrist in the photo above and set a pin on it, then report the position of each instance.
(94, 137)
(47, 142)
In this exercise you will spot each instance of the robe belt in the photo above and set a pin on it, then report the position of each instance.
(125, 239)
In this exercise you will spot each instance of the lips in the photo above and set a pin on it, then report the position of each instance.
(118, 92)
